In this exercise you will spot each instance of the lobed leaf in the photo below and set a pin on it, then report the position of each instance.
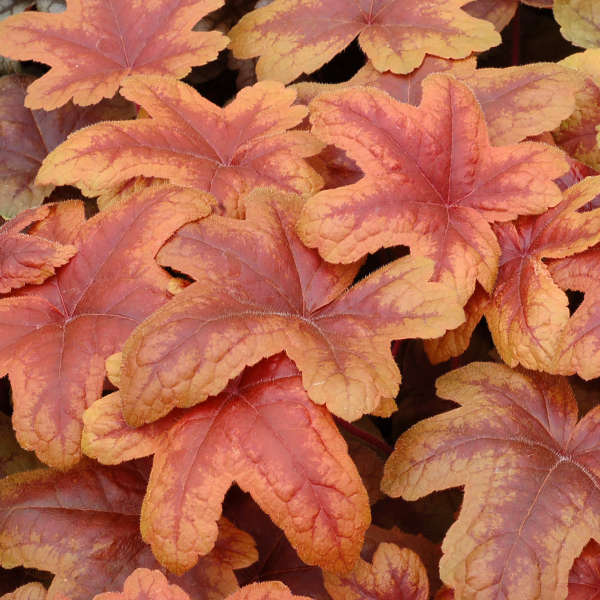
(432, 181)
(94, 45)
(29, 591)
(584, 578)
(298, 36)
(579, 21)
(262, 432)
(146, 584)
(55, 337)
(271, 590)
(498, 12)
(193, 143)
(530, 473)
(258, 290)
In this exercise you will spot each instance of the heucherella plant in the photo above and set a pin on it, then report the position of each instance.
(251, 322)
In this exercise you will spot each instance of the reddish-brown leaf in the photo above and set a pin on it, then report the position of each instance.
(55, 337)
(29, 259)
(531, 476)
(94, 45)
(259, 291)
(584, 578)
(432, 181)
(394, 573)
(271, 590)
(83, 526)
(264, 433)
(29, 135)
(296, 36)
(193, 143)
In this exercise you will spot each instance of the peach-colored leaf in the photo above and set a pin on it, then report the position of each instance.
(94, 45)
(432, 181)
(270, 590)
(146, 584)
(264, 433)
(584, 578)
(193, 143)
(394, 573)
(298, 36)
(531, 476)
(55, 337)
(29, 591)
(29, 135)
(29, 259)
(577, 135)
(258, 290)
(579, 21)
(83, 526)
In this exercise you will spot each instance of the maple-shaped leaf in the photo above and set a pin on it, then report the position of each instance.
(394, 573)
(55, 337)
(258, 290)
(577, 135)
(29, 259)
(94, 45)
(29, 135)
(584, 578)
(263, 423)
(432, 181)
(83, 526)
(530, 473)
(298, 36)
(193, 143)
(270, 590)
(517, 102)
(579, 21)
(146, 584)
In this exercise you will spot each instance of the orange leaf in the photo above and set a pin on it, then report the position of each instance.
(83, 526)
(432, 181)
(395, 573)
(298, 36)
(94, 45)
(530, 473)
(259, 291)
(270, 590)
(193, 143)
(262, 432)
(146, 584)
(55, 337)
(29, 259)
(28, 136)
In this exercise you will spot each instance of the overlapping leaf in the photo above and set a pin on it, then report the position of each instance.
(94, 45)
(498, 12)
(271, 590)
(394, 573)
(262, 432)
(55, 337)
(83, 526)
(29, 591)
(28, 259)
(193, 143)
(28, 136)
(259, 291)
(146, 584)
(432, 181)
(579, 21)
(13, 459)
(530, 473)
(584, 578)
(298, 36)
(578, 135)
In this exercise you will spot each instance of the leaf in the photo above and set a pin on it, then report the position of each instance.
(29, 135)
(29, 591)
(528, 311)
(146, 584)
(262, 424)
(55, 337)
(499, 12)
(577, 135)
(93, 46)
(29, 259)
(432, 181)
(259, 291)
(83, 526)
(193, 143)
(395, 573)
(584, 578)
(579, 21)
(296, 36)
(530, 475)
(271, 590)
